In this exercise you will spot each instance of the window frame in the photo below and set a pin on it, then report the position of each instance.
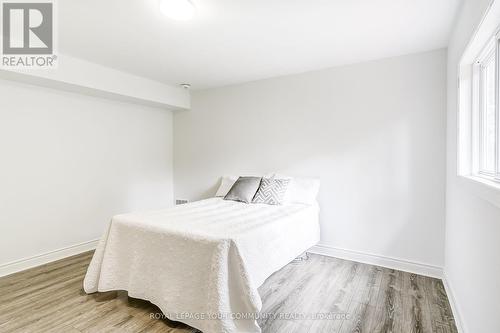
(466, 176)
(489, 53)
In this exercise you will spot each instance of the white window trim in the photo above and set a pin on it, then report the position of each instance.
(489, 53)
(485, 189)
(468, 177)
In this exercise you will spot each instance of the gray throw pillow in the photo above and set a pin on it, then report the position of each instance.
(271, 191)
(243, 189)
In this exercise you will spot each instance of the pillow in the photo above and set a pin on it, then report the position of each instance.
(228, 181)
(271, 191)
(301, 190)
(225, 185)
(244, 189)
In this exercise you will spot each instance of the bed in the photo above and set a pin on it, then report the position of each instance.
(201, 263)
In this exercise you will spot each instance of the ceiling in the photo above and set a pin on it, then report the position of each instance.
(234, 41)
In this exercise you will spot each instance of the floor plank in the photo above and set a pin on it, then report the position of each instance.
(311, 294)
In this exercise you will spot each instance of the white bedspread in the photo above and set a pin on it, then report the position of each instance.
(201, 263)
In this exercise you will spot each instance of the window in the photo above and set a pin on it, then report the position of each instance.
(478, 117)
(486, 125)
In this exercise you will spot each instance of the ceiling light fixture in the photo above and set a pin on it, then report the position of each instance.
(179, 10)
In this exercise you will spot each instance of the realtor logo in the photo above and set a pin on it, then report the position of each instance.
(28, 34)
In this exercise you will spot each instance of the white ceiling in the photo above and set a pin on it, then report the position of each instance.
(233, 41)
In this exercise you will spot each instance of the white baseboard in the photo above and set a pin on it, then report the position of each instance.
(372, 259)
(44, 258)
(453, 304)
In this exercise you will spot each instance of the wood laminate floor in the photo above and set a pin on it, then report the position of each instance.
(312, 294)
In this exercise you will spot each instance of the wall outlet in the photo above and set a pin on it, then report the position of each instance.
(181, 201)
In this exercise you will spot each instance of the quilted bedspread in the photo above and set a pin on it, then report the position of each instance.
(201, 263)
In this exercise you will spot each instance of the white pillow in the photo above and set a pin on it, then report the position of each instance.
(301, 190)
(225, 185)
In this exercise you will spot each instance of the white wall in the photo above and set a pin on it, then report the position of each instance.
(68, 162)
(472, 247)
(78, 75)
(373, 132)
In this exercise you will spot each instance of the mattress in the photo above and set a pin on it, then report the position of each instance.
(201, 263)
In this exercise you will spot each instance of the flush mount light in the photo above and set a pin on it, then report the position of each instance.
(180, 10)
